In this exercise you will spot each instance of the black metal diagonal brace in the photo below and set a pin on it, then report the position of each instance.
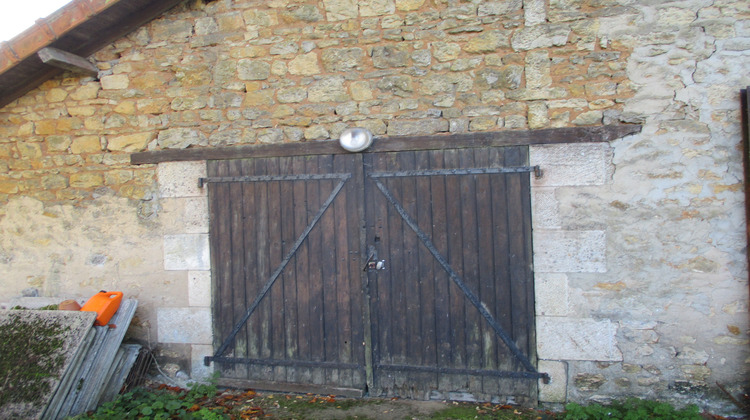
(343, 178)
(457, 280)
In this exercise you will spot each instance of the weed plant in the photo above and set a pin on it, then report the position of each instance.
(161, 403)
(631, 409)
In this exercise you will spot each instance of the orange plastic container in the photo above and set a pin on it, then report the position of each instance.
(105, 304)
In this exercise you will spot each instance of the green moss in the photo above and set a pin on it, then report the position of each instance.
(32, 357)
(52, 307)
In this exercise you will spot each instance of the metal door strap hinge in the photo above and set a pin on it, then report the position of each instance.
(466, 171)
(267, 178)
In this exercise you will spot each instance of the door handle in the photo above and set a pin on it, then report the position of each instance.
(373, 263)
(376, 265)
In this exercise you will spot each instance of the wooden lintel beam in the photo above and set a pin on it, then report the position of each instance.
(68, 61)
(395, 144)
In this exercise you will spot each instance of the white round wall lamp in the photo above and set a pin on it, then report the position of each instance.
(355, 139)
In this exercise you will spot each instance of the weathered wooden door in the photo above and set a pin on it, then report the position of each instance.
(452, 313)
(287, 287)
(449, 315)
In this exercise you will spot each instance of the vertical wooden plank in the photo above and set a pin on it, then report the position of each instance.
(289, 277)
(442, 282)
(395, 273)
(264, 237)
(485, 255)
(502, 303)
(348, 209)
(501, 253)
(455, 259)
(469, 228)
(338, 319)
(518, 263)
(220, 256)
(235, 241)
(235, 260)
(380, 242)
(275, 249)
(410, 277)
(517, 251)
(329, 269)
(314, 273)
(370, 285)
(259, 267)
(229, 237)
(304, 330)
(362, 334)
(426, 275)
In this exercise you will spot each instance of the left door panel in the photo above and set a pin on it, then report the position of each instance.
(287, 271)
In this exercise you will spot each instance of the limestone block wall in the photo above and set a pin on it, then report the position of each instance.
(642, 305)
(640, 254)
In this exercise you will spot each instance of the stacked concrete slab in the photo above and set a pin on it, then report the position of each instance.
(91, 366)
(67, 335)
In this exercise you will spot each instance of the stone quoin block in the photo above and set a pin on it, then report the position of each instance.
(199, 288)
(556, 391)
(185, 215)
(198, 370)
(184, 325)
(563, 251)
(195, 215)
(551, 294)
(180, 179)
(561, 338)
(572, 164)
(545, 213)
(186, 252)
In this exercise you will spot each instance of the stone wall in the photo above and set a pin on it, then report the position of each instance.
(640, 254)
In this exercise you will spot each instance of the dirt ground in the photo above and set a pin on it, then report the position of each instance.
(249, 404)
(383, 409)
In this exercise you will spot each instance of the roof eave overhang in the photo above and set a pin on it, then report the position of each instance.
(82, 27)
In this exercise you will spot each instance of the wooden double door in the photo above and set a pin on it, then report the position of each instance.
(388, 274)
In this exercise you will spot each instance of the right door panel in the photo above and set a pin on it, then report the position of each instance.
(453, 309)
